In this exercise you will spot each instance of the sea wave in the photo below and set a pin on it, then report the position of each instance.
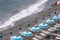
(33, 9)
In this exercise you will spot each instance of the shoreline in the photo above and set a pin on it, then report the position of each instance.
(25, 13)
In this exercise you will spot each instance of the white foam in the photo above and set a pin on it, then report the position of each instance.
(24, 13)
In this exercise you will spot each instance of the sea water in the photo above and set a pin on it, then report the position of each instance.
(14, 10)
(9, 8)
